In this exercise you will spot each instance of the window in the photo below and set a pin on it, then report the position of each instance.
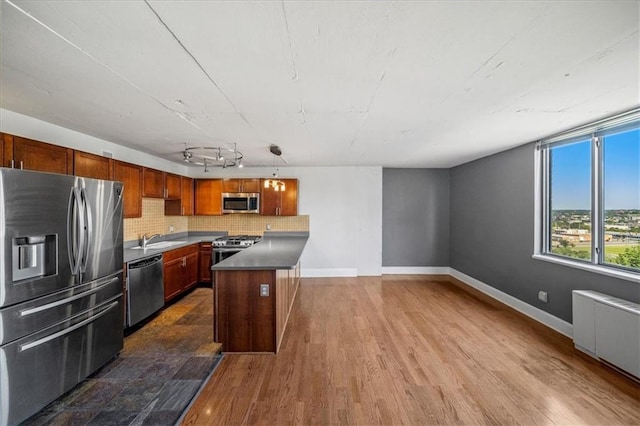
(591, 194)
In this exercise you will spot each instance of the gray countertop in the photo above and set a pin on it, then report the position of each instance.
(274, 251)
(130, 254)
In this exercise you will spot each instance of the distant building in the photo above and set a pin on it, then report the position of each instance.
(575, 236)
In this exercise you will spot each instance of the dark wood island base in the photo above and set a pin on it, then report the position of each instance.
(252, 308)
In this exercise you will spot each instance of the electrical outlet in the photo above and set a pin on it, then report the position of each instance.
(268, 227)
(170, 228)
(264, 290)
(542, 295)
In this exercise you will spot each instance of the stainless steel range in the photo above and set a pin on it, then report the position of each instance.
(225, 247)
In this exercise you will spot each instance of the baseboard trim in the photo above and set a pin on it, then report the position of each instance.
(539, 315)
(416, 270)
(325, 273)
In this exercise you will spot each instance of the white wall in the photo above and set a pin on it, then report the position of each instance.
(345, 209)
(369, 187)
(344, 203)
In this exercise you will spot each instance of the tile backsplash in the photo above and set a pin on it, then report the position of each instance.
(153, 221)
(251, 224)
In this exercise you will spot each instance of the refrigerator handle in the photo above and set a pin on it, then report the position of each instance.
(35, 310)
(27, 346)
(75, 236)
(87, 230)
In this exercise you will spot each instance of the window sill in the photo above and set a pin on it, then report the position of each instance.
(598, 269)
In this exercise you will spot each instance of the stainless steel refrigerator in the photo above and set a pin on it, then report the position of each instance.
(61, 304)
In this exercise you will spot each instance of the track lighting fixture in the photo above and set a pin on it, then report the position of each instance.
(213, 156)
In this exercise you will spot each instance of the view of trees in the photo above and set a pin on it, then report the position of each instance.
(566, 248)
(630, 257)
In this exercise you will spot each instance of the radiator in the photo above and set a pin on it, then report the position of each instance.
(607, 328)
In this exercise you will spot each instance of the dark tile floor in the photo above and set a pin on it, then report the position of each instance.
(161, 368)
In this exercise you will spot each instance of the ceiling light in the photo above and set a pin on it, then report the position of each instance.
(213, 156)
(275, 183)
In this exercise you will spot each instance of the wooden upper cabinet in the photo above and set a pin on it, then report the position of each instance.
(92, 166)
(184, 205)
(131, 176)
(269, 202)
(207, 196)
(158, 184)
(280, 203)
(33, 155)
(152, 183)
(241, 185)
(2, 137)
(186, 200)
(289, 198)
(172, 187)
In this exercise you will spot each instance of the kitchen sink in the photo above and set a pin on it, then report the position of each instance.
(160, 244)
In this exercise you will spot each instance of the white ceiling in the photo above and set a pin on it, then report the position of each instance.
(385, 83)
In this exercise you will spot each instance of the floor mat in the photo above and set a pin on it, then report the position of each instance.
(163, 365)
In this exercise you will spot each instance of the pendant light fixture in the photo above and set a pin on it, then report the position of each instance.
(275, 183)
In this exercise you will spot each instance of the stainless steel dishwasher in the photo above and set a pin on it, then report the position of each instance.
(145, 289)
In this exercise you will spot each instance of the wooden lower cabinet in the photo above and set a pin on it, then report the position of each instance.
(204, 270)
(246, 320)
(180, 270)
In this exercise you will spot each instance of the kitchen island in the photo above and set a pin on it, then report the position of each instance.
(254, 293)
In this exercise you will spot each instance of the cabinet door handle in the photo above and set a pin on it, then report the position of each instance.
(21, 165)
(13, 164)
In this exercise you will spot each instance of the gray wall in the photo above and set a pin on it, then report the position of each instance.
(415, 217)
(492, 235)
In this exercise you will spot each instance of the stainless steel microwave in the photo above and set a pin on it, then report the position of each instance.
(240, 202)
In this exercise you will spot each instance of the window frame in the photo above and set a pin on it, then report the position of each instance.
(594, 133)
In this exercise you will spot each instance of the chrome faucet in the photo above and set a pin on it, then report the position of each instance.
(145, 239)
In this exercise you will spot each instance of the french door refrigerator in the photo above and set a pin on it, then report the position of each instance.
(61, 313)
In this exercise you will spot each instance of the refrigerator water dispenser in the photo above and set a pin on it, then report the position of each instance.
(34, 256)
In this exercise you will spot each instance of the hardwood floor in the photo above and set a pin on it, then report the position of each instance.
(413, 350)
